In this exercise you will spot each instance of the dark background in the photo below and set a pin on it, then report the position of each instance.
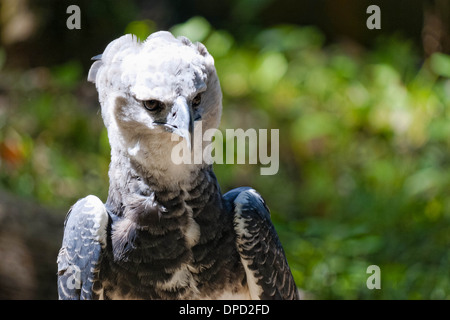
(51, 42)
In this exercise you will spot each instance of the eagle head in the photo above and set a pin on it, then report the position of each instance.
(150, 91)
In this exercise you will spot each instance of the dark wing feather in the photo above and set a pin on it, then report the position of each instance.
(80, 255)
(266, 267)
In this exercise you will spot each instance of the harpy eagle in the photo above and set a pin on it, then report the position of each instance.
(166, 231)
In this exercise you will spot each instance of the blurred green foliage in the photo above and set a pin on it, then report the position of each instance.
(364, 150)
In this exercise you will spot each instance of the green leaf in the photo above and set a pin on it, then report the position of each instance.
(440, 64)
(195, 29)
(142, 29)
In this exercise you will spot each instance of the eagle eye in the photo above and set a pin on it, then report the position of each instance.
(197, 100)
(153, 105)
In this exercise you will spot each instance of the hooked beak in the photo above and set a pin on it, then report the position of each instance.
(181, 120)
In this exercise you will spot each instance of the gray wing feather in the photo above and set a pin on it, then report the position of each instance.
(80, 254)
(264, 260)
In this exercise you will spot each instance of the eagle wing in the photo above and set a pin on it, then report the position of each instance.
(268, 273)
(79, 258)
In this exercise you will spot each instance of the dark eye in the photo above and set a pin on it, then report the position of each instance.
(197, 100)
(153, 105)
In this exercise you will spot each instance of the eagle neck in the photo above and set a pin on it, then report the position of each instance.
(131, 182)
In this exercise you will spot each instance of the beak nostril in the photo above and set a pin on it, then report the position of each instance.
(174, 114)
